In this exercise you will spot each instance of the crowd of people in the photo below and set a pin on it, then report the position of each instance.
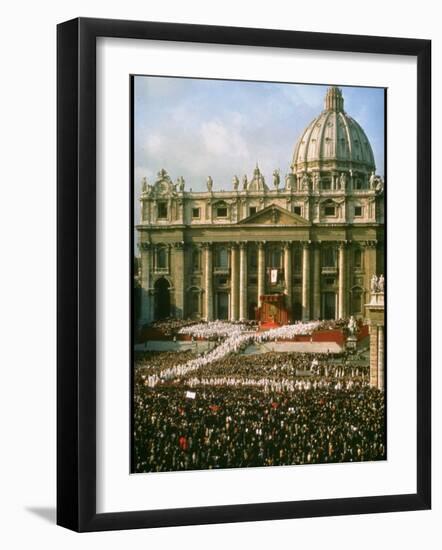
(285, 364)
(237, 426)
(225, 409)
(171, 326)
(232, 338)
(214, 330)
(154, 362)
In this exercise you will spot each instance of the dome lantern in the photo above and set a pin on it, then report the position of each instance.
(334, 100)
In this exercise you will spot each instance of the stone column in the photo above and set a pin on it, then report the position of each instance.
(261, 271)
(178, 270)
(306, 281)
(243, 314)
(208, 282)
(374, 339)
(317, 281)
(369, 263)
(288, 277)
(375, 314)
(380, 357)
(146, 297)
(234, 283)
(342, 296)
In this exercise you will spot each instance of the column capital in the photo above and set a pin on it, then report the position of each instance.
(145, 246)
(261, 244)
(206, 245)
(243, 245)
(343, 244)
(306, 244)
(369, 244)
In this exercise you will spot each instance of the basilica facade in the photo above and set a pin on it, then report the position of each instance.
(314, 237)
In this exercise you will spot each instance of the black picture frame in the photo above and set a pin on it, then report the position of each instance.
(76, 274)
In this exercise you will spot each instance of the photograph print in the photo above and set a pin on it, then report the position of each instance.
(258, 266)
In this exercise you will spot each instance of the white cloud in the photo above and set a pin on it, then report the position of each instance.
(223, 140)
(154, 144)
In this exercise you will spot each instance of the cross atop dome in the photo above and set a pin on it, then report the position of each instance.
(334, 100)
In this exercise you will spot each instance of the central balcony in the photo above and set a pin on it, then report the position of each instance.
(220, 270)
(275, 276)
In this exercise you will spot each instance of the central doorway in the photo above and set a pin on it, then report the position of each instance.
(222, 305)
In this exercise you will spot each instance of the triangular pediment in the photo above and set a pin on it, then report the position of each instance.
(274, 215)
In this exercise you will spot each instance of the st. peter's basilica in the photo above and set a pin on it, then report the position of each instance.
(305, 245)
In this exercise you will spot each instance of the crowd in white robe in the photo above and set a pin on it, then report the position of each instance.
(237, 338)
(271, 384)
(213, 329)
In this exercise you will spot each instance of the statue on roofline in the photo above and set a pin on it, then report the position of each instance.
(276, 178)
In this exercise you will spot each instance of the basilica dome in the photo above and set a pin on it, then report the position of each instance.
(333, 141)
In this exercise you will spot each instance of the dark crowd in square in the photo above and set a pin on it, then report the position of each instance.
(255, 410)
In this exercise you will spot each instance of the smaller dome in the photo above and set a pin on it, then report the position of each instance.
(333, 136)
(257, 183)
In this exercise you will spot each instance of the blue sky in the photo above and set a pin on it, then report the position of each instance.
(196, 128)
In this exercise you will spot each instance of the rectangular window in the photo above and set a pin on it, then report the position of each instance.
(221, 212)
(328, 257)
(359, 183)
(253, 259)
(358, 211)
(162, 257)
(195, 303)
(297, 260)
(297, 210)
(195, 259)
(195, 212)
(222, 258)
(326, 184)
(162, 210)
(356, 302)
(330, 211)
(252, 210)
